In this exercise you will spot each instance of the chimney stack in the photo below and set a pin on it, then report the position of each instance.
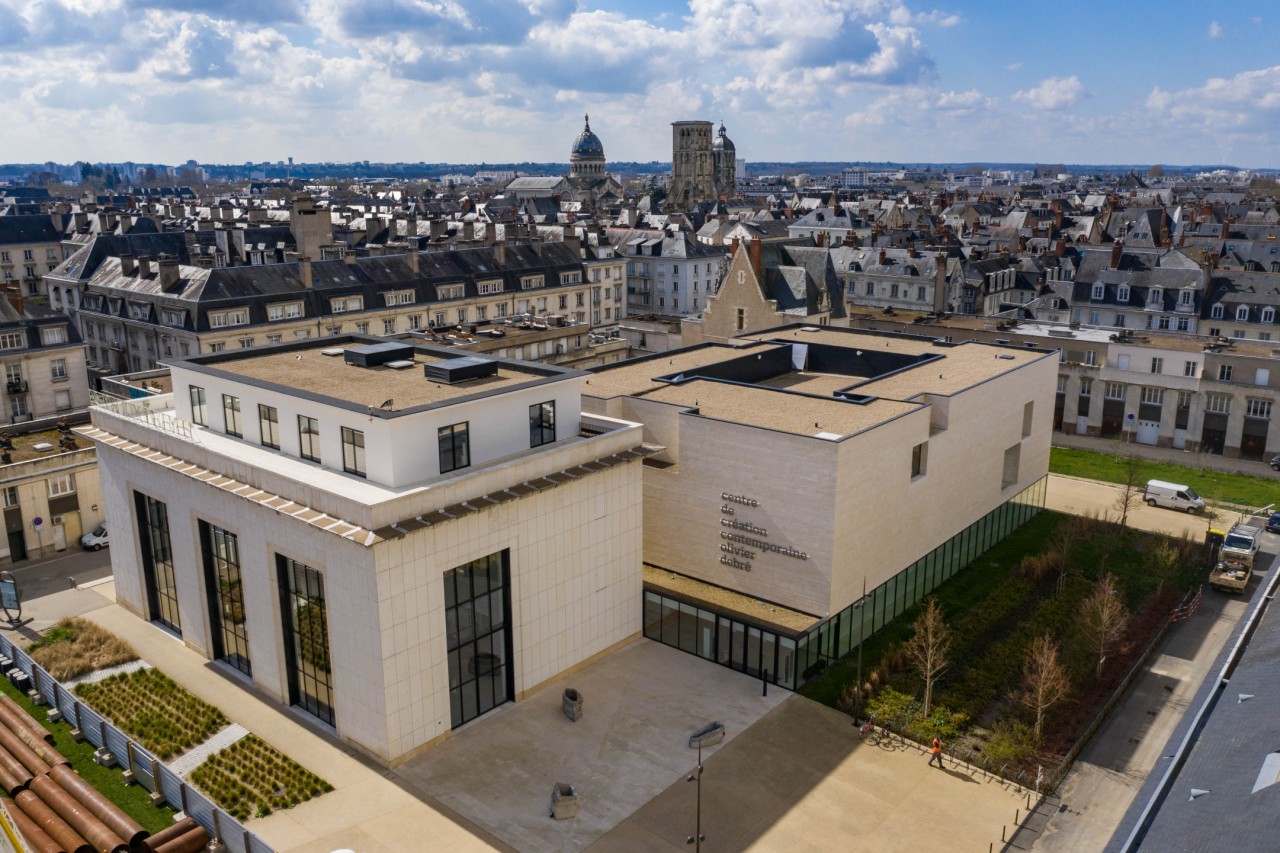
(753, 252)
(939, 283)
(733, 248)
(1060, 248)
(304, 273)
(1117, 249)
(126, 264)
(144, 266)
(413, 258)
(168, 266)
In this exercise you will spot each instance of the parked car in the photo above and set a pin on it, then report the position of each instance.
(1275, 463)
(97, 539)
(1273, 523)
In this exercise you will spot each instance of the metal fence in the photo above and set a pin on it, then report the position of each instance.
(149, 772)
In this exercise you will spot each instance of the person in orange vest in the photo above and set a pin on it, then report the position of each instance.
(936, 752)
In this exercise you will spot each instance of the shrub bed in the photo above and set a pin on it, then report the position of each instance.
(76, 647)
(154, 711)
(252, 778)
(996, 608)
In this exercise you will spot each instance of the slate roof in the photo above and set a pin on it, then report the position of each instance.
(16, 230)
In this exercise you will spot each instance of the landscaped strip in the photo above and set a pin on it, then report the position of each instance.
(76, 647)
(153, 710)
(1214, 486)
(252, 778)
(1040, 582)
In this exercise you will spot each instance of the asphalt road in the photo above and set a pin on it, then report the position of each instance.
(68, 569)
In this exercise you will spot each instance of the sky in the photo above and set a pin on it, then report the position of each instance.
(470, 81)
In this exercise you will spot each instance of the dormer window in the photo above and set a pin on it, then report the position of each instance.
(1242, 313)
(344, 304)
(1216, 312)
(173, 317)
(1185, 297)
(1156, 295)
(450, 291)
(1268, 314)
(1122, 293)
(1098, 291)
(230, 317)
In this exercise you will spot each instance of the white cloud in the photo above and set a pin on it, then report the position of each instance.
(1053, 93)
(1013, 66)
(1215, 30)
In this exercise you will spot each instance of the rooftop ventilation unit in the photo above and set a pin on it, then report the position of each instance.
(374, 355)
(332, 351)
(451, 371)
(400, 364)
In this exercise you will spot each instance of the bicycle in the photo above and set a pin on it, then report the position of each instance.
(869, 728)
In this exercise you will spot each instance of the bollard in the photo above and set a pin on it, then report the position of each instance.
(1016, 814)
(1002, 841)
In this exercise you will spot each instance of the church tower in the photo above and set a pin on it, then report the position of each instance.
(692, 169)
(725, 163)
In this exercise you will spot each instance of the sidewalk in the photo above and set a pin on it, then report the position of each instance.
(1168, 454)
(1107, 776)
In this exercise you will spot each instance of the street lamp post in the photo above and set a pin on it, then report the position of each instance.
(697, 838)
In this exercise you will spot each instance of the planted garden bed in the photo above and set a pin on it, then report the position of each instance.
(252, 778)
(76, 647)
(1036, 584)
(153, 710)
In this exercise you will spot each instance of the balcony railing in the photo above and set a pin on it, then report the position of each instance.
(16, 386)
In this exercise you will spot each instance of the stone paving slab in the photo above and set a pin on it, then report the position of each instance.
(194, 757)
(640, 705)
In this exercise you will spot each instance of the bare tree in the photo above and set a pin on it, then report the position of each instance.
(1044, 679)
(1103, 617)
(928, 648)
(1131, 488)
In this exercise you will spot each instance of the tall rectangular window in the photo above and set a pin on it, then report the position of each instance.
(231, 414)
(226, 596)
(157, 562)
(306, 638)
(353, 451)
(919, 459)
(542, 423)
(269, 426)
(199, 413)
(308, 438)
(455, 447)
(477, 637)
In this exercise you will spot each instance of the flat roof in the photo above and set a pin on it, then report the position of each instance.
(964, 366)
(636, 376)
(308, 370)
(799, 414)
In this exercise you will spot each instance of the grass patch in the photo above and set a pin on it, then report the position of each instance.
(1213, 486)
(252, 778)
(134, 800)
(76, 647)
(153, 710)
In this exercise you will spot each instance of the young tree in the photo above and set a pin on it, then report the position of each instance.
(929, 647)
(1044, 679)
(1131, 489)
(1103, 617)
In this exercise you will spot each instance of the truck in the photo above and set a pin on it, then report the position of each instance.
(1236, 555)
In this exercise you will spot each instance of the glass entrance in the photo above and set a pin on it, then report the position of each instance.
(477, 600)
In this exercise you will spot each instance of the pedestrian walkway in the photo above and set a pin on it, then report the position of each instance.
(1203, 461)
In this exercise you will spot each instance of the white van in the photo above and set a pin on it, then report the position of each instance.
(1173, 496)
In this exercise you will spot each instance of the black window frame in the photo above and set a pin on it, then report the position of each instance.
(269, 424)
(353, 460)
(308, 652)
(308, 426)
(542, 423)
(231, 416)
(199, 405)
(455, 454)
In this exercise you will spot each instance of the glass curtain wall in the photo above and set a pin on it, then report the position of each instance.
(157, 562)
(306, 638)
(477, 602)
(790, 662)
(226, 597)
